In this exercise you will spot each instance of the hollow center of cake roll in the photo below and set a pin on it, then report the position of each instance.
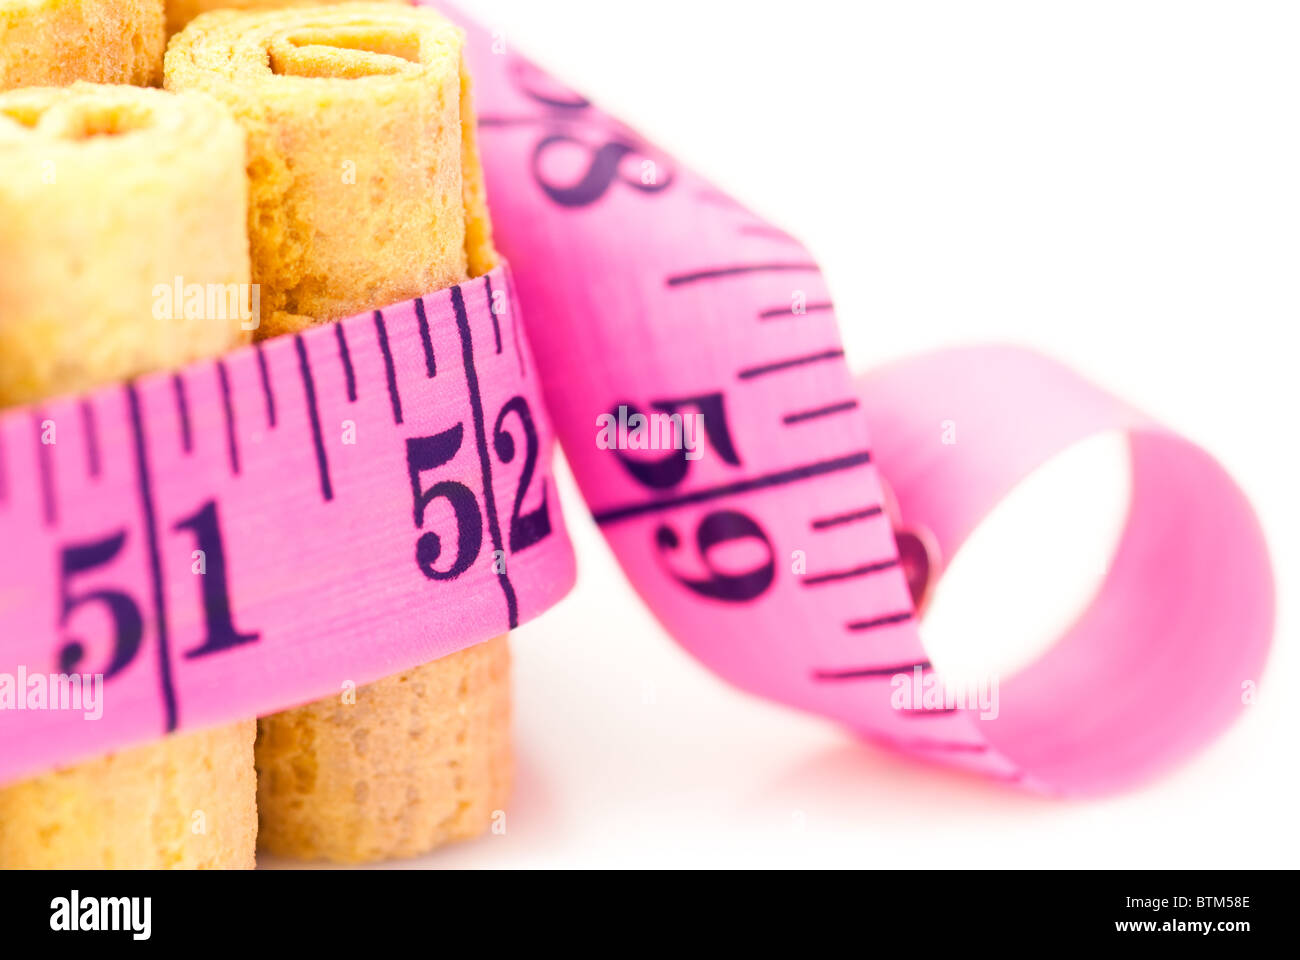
(60, 118)
(24, 115)
(82, 121)
(345, 52)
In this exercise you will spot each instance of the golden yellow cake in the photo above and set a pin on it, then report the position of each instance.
(57, 42)
(105, 193)
(421, 758)
(186, 801)
(365, 189)
(181, 12)
(356, 151)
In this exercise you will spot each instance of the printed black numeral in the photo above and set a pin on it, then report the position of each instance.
(605, 167)
(221, 632)
(716, 529)
(566, 106)
(128, 625)
(671, 470)
(427, 453)
(525, 529)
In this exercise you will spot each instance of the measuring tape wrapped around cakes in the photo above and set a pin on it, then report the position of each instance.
(375, 494)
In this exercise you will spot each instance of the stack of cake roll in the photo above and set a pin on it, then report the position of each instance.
(231, 174)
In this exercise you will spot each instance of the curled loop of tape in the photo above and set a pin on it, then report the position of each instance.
(1184, 619)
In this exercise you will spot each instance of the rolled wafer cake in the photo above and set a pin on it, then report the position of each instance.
(181, 12)
(105, 193)
(57, 42)
(365, 189)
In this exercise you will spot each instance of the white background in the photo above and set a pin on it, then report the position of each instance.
(1114, 183)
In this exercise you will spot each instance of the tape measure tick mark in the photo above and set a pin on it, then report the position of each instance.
(88, 427)
(887, 620)
(825, 523)
(718, 273)
(145, 488)
(864, 570)
(786, 312)
(390, 374)
(778, 366)
(871, 673)
(802, 416)
(430, 363)
(345, 357)
(45, 467)
(267, 392)
(182, 412)
(309, 389)
(228, 411)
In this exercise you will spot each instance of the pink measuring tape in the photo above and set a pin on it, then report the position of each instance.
(256, 531)
(770, 557)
